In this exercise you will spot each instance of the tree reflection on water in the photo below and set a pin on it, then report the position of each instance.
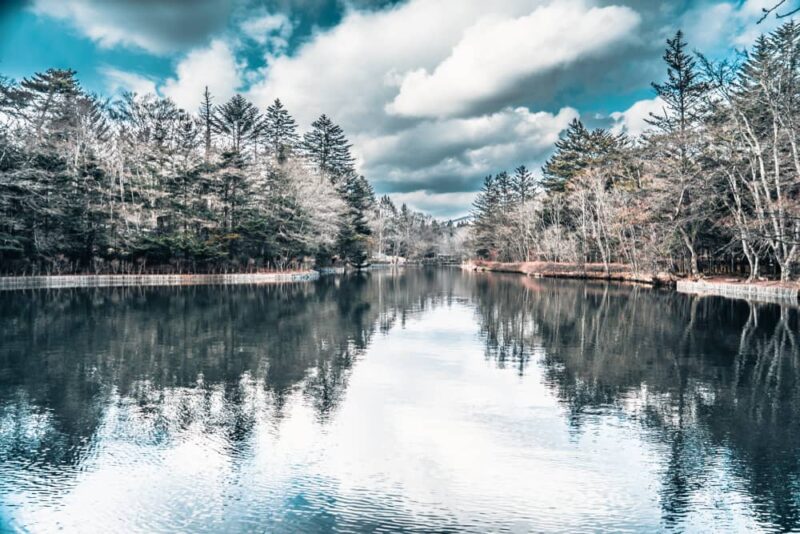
(712, 383)
(713, 380)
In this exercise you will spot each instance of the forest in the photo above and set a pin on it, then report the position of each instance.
(713, 186)
(135, 184)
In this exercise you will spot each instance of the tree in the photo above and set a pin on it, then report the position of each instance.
(327, 148)
(767, 11)
(577, 150)
(48, 92)
(239, 121)
(765, 114)
(134, 186)
(486, 207)
(677, 146)
(523, 184)
(280, 131)
(355, 231)
(207, 120)
(385, 226)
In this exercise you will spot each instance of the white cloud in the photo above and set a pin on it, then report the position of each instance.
(497, 53)
(119, 80)
(157, 27)
(477, 142)
(214, 66)
(270, 30)
(351, 71)
(633, 120)
(454, 154)
(449, 205)
(354, 70)
(714, 28)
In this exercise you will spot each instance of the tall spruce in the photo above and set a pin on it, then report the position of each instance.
(523, 184)
(356, 231)
(577, 150)
(679, 146)
(327, 147)
(569, 158)
(207, 119)
(280, 131)
(683, 91)
(238, 121)
(485, 210)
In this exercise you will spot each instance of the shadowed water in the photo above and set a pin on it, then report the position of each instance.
(425, 401)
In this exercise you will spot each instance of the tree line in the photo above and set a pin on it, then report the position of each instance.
(137, 184)
(712, 186)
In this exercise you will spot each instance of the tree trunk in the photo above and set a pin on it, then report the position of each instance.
(694, 271)
(752, 260)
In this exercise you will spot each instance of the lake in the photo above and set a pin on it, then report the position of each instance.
(430, 400)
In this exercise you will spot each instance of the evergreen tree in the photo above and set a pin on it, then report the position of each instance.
(207, 120)
(505, 190)
(678, 145)
(386, 226)
(683, 91)
(233, 191)
(280, 131)
(47, 93)
(576, 151)
(485, 212)
(239, 121)
(182, 185)
(278, 230)
(569, 158)
(353, 239)
(326, 146)
(85, 218)
(524, 184)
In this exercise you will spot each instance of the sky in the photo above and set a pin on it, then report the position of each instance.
(433, 94)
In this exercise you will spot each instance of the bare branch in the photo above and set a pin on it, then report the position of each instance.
(767, 11)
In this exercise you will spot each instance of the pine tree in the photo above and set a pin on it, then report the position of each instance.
(47, 92)
(683, 91)
(207, 119)
(524, 184)
(353, 238)
(505, 189)
(326, 146)
(280, 131)
(239, 121)
(485, 212)
(85, 218)
(233, 189)
(679, 146)
(577, 150)
(182, 185)
(386, 226)
(569, 158)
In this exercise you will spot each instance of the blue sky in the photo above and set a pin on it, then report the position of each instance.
(434, 94)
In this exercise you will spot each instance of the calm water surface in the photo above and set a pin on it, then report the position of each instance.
(431, 400)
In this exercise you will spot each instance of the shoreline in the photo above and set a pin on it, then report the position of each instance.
(8, 283)
(762, 291)
(590, 271)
